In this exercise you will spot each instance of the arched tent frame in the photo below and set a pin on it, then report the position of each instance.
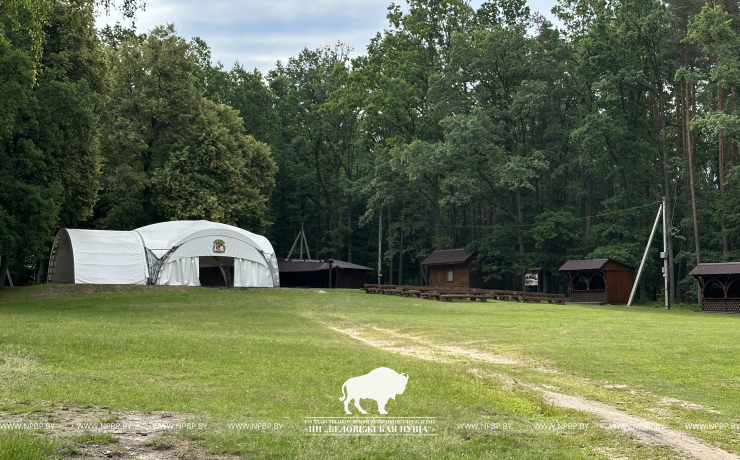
(97, 257)
(141, 256)
(201, 244)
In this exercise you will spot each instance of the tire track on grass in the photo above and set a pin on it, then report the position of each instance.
(425, 351)
(643, 429)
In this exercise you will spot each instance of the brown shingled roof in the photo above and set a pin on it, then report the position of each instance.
(348, 265)
(309, 265)
(595, 264)
(448, 256)
(728, 268)
(292, 266)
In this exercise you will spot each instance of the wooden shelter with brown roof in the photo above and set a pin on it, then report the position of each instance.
(720, 286)
(454, 268)
(599, 280)
(325, 273)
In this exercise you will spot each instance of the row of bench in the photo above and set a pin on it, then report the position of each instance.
(448, 294)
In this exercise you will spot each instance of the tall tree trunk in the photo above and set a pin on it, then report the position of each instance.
(689, 151)
(18, 265)
(400, 252)
(3, 270)
(722, 167)
(453, 223)
(680, 265)
(520, 219)
(733, 149)
(436, 210)
(40, 273)
(390, 249)
(589, 208)
(484, 220)
(349, 229)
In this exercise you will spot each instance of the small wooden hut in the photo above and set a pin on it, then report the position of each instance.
(599, 280)
(325, 273)
(720, 286)
(454, 268)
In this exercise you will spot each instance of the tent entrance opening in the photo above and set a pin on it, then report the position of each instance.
(216, 271)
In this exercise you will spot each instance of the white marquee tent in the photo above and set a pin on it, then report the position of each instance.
(179, 253)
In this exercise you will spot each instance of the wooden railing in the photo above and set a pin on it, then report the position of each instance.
(729, 305)
(588, 296)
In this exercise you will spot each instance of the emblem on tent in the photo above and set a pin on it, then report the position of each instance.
(219, 247)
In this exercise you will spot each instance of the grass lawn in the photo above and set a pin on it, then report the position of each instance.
(277, 356)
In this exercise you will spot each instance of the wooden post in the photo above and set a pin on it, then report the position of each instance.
(308, 253)
(330, 261)
(294, 243)
(302, 237)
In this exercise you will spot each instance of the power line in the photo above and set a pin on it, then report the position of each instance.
(522, 224)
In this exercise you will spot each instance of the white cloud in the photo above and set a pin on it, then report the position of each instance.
(258, 33)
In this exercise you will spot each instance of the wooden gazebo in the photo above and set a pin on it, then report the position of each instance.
(599, 280)
(720, 286)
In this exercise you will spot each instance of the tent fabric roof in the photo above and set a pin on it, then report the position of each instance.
(308, 265)
(107, 257)
(116, 257)
(194, 238)
(448, 256)
(595, 264)
(165, 235)
(728, 268)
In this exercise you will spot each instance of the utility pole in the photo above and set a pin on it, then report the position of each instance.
(664, 256)
(644, 257)
(380, 244)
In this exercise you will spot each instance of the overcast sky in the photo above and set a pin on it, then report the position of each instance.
(258, 33)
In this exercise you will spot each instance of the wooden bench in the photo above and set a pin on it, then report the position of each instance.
(473, 294)
(550, 300)
(447, 297)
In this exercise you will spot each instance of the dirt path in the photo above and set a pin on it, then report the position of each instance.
(643, 429)
(136, 435)
(612, 418)
(421, 349)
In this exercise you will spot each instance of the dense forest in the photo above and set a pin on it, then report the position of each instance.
(488, 129)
